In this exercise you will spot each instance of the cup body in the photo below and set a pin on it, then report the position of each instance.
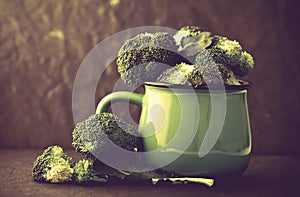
(178, 122)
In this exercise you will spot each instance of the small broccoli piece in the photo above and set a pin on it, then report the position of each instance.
(53, 166)
(91, 136)
(183, 74)
(84, 172)
(191, 40)
(230, 54)
(142, 49)
(246, 64)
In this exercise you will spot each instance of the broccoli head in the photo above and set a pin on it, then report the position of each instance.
(217, 73)
(91, 136)
(191, 40)
(144, 72)
(213, 72)
(182, 74)
(137, 52)
(230, 54)
(53, 166)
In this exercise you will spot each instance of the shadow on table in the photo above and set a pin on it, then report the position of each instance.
(258, 182)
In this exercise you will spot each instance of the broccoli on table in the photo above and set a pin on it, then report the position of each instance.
(136, 54)
(53, 166)
(84, 172)
(91, 136)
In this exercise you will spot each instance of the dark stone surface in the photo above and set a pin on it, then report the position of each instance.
(42, 44)
(265, 176)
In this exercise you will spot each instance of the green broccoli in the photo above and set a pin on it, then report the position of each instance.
(53, 166)
(210, 73)
(84, 172)
(230, 54)
(182, 74)
(246, 64)
(192, 31)
(137, 52)
(213, 72)
(90, 136)
(144, 72)
(191, 40)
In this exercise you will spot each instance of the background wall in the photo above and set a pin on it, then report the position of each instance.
(42, 44)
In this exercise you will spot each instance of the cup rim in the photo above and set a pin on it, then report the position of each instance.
(244, 86)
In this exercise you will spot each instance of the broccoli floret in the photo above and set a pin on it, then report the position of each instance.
(183, 74)
(217, 73)
(213, 72)
(191, 40)
(84, 172)
(91, 136)
(246, 64)
(142, 49)
(230, 54)
(144, 72)
(226, 51)
(53, 166)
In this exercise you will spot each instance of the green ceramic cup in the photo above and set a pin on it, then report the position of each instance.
(193, 132)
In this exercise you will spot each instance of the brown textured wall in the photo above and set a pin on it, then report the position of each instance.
(43, 43)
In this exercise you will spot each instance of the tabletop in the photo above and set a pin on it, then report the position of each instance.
(266, 176)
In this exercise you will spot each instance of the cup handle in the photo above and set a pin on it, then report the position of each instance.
(122, 96)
